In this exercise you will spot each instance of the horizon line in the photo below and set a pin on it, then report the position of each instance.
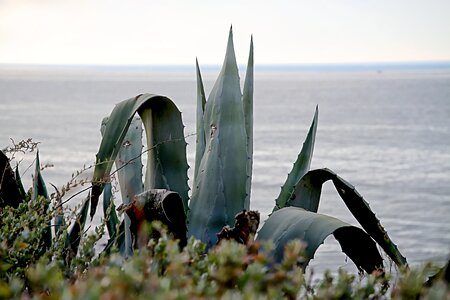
(264, 66)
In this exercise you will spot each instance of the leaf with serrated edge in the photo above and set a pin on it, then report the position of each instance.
(201, 102)
(167, 164)
(219, 190)
(291, 223)
(301, 165)
(307, 195)
(247, 100)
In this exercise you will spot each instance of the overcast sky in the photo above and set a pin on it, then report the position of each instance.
(176, 31)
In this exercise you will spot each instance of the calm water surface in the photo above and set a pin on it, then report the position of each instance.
(388, 133)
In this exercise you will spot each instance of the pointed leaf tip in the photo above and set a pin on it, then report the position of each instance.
(230, 37)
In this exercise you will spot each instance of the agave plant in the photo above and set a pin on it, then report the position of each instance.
(223, 173)
(12, 194)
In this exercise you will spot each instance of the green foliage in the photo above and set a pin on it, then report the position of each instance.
(220, 189)
(300, 167)
(200, 136)
(305, 223)
(166, 155)
(21, 242)
(75, 234)
(26, 225)
(66, 265)
(291, 223)
(223, 171)
(10, 189)
(28, 264)
(163, 271)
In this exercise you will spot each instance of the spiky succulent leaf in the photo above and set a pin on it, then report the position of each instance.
(365, 216)
(301, 165)
(19, 183)
(219, 191)
(291, 223)
(40, 190)
(307, 195)
(307, 192)
(201, 102)
(247, 100)
(9, 190)
(167, 164)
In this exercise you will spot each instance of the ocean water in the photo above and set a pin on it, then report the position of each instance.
(385, 131)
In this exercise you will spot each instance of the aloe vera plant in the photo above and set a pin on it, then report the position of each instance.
(223, 172)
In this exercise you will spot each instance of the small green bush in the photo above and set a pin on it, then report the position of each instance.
(21, 238)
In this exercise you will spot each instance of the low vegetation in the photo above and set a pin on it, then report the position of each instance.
(160, 269)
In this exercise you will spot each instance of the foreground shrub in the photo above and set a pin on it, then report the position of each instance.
(162, 271)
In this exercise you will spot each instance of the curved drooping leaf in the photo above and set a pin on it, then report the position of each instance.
(201, 102)
(74, 236)
(166, 156)
(9, 190)
(219, 191)
(166, 163)
(307, 195)
(361, 249)
(301, 165)
(307, 192)
(291, 223)
(247, 101)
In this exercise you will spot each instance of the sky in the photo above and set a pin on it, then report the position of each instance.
(142, 32)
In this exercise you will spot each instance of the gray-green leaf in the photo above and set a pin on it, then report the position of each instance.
(301, 165)
(291, 223)
(219, 191)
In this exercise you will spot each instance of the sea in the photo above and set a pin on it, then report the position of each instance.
(383, 128)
